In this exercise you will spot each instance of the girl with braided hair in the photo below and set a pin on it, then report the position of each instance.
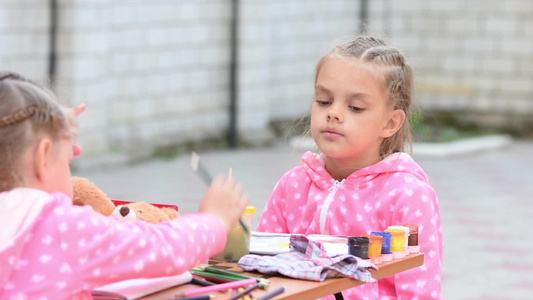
(362, 180)
(51, 249)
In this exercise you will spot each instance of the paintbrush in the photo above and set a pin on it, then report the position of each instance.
(199, 168)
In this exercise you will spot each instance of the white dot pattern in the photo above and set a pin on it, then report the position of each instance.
(394, 191)
(67, 240)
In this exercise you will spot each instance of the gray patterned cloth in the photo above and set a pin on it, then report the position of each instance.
(309, 260)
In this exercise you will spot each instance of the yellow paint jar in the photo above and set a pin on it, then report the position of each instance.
(407, 230)
(398, 242)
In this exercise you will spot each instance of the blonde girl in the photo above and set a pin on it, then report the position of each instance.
(362, 180)
(50, 249)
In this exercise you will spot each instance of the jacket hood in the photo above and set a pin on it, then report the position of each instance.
(394, 163)
(20, 208)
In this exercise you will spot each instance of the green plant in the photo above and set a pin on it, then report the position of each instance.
(440, 129)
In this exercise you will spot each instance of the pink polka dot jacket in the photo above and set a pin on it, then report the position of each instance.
(51, 249)
(395, 191)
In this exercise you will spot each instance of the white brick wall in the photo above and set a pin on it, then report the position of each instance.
(300, 33)
(24, 38)
(474, 55)
(155, 73)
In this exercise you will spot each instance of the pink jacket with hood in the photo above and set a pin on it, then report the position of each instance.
(50, 249)
(395, 191)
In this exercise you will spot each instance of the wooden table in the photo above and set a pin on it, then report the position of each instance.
(304, 289)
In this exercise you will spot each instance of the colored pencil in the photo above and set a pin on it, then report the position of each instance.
(245, 292)
(217, 287)
(263, 283)
(270, 295)
(202, 282)
(199, 168)
(104, 295)
(228, 273)
(216, 277)
(201, 297)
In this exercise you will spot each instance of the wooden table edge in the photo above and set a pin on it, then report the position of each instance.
(298, 289)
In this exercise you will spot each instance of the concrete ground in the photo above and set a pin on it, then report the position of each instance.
(485, 196)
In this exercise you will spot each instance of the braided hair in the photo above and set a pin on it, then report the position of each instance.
(28, 112)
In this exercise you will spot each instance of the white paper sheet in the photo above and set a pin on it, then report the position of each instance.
(139, 287)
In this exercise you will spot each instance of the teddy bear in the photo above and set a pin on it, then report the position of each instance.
(87, 193)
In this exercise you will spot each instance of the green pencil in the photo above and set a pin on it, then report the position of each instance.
(263, 283)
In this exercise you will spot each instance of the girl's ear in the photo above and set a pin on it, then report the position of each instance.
(394, 123)
(42, 160)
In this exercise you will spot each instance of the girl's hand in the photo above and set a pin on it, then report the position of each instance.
(225, 199)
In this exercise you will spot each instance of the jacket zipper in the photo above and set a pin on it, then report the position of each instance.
(325, 207)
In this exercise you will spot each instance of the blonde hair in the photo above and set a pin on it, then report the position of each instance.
(388, 63)
(28, 112)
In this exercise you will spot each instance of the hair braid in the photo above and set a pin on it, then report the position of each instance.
(12, 75)
(18, 116)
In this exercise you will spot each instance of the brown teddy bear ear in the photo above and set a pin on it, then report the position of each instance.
(87, 193)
